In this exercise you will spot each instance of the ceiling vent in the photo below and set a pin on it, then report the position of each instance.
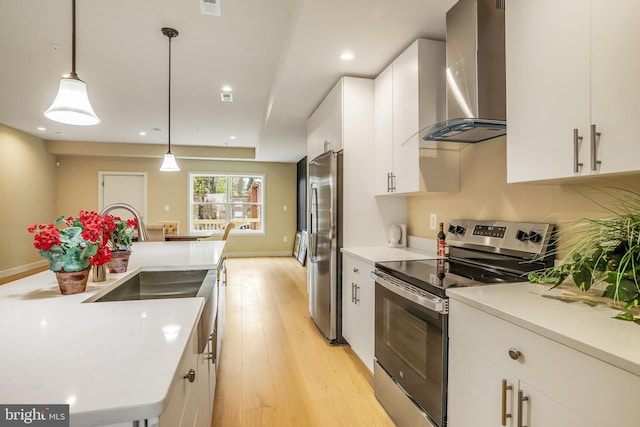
(210, 7)
(226, 97)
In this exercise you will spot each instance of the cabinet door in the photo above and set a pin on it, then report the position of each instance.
(615, 96)
(406, 119)
(383, 131)
(538, 410)
(358, 308)
(548, 88)
(330, 136)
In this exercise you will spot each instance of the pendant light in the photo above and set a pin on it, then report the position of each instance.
(71, 105)
(169, 162)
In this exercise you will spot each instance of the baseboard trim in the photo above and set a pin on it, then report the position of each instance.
(258, 254)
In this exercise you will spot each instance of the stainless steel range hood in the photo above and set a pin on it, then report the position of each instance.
(475, 75)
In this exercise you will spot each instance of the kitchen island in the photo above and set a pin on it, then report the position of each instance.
(112, 362)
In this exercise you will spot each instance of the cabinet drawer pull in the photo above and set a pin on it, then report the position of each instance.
(505, 388)
(191, 375)
(355, 270)
(514, 354)
(577, 140)
(356, 299)
(353, 292)
(521, 399)
(595, 138)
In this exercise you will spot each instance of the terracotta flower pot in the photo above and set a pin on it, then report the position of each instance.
(72, 282)
(119, 261)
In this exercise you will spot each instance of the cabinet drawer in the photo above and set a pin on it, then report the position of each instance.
(582, 384)
(355, 269)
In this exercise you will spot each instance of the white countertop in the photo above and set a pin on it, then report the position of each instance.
(111, 361)
(384, 253)
(591, 330)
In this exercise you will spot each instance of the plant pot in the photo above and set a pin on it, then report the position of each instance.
(119, 261)
(72, 282)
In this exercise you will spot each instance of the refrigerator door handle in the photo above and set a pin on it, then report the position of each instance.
(313, 236)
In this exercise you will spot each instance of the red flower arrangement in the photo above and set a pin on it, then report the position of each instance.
(73, 244)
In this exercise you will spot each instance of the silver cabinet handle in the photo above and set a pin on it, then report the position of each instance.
(393, 182)
(353, 289)
(357, 299)
(191, 375)
(521, 399)
(388, 182)
(577, 140)
(595, 137)
(505, 388)
(514, 353)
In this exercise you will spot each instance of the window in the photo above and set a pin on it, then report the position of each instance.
(217, 199)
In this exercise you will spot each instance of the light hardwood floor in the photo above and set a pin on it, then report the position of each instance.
(275, 369)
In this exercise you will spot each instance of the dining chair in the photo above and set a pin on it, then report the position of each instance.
(155, 232)
(227, 229)
(170, 227)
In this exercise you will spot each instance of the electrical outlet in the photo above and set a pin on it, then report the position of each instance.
(166, 208)
(285, 239)
(433, 221)
(285, 208)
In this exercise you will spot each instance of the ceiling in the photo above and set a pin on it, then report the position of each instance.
(280, 57)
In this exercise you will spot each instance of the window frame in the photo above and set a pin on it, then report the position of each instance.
(229, 204)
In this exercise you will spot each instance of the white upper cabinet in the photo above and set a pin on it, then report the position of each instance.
(571, 90)
(409, 96)
(324, 127)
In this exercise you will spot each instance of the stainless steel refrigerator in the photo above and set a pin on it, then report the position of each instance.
(325, 241)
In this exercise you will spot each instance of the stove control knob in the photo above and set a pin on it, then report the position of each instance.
(452, 228)
(522, 235)
(460, 229)
(535, 237)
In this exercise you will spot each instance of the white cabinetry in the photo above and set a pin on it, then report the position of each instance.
(358, 305)
(571, 104)
(183, 405)
(409, 96)
(500, 373)
(324, 127)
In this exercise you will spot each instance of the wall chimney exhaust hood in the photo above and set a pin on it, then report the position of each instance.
(475, 77)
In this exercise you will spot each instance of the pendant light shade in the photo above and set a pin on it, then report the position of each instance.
(71, 105)
(169, 163)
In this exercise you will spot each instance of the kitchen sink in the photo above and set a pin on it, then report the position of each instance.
(165, 284)
(160, 285)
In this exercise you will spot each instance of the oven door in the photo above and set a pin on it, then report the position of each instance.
(411, 344)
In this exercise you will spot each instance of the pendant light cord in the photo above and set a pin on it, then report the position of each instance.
(170, 94)
(73, 40)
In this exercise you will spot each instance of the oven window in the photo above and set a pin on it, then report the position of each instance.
(409, 346)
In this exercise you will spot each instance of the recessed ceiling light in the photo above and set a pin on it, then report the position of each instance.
(227, 88)
(42, 128)
(142, 133)
(347, 56)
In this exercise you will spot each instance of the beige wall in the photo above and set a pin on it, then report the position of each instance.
(171, 188)
(485, 195)
(28, 195)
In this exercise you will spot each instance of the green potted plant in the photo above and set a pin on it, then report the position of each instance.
(606, 252)
(120, 240)
(71, 246)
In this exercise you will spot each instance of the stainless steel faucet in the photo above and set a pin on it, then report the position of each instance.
(142, 231)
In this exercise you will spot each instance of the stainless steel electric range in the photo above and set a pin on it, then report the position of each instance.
(411, 309)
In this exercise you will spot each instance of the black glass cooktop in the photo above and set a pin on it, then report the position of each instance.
(436, 276)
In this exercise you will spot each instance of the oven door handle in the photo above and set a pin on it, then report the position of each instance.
(436, 303)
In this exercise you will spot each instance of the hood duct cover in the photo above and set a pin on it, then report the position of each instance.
(475, 74)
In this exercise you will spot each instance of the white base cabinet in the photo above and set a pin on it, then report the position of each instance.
(358, 303)
(503, 375)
